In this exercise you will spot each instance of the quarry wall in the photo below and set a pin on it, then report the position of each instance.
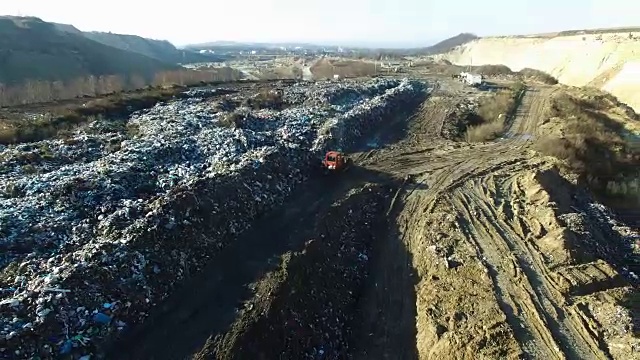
(610, 62)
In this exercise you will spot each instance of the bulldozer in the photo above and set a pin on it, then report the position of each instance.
(335, 161)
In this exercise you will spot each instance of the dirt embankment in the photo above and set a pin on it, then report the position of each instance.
(606, 61)
(507, 275)
(597, 138)
(304, 310)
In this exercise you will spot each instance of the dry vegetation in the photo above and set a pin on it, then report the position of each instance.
(526, 73)
(18, 130)
(493, 70)
(115, 98)
(493, 113)
(37, 91)
(537, 75)
(595, 143)
(266, 99)
(232, 120)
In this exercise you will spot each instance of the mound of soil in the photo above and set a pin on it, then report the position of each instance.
(307, 315)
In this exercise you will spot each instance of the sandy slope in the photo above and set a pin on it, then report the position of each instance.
(608, 61)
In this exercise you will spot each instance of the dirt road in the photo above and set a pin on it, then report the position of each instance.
(462, 251)
(483, 238)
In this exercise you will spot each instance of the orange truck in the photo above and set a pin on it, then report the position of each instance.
(335, 161)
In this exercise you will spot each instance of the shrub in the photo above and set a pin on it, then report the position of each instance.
(501, 103)
(494, 70)
(493, 112)
(538, 75)
(231, 120)
(485, 132)
(593, 145)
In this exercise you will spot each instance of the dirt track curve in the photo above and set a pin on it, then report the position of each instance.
(472, 262)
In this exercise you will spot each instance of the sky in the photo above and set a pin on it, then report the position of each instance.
(393, 23)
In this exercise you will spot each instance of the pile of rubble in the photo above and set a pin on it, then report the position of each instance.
(97, 228)
(605, 237)
(458, 119)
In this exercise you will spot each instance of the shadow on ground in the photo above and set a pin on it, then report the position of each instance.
(385, 323)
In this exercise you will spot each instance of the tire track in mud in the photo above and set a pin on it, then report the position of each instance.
(544, 321)
(523, 314)
(465, 177)
(565, 325)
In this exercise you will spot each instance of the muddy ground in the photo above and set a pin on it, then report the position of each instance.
(427, 249)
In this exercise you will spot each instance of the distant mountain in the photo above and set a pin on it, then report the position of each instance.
(157, 49)
(237, 45)
(448, 44)
(34, 49)
(440, 47)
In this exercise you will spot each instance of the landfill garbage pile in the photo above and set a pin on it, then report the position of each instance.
(596, 223)
(97, 228)
(341, 133)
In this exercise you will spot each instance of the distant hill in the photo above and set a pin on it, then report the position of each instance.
(157, 49)
(448, 44)
(442, 46)
(226, 45)
(34, 49)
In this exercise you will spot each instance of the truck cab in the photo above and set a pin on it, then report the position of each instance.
(334, 160)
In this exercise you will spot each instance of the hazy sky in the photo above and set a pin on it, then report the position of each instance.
(377, 22)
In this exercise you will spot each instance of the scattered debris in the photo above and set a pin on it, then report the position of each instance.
(97, 228)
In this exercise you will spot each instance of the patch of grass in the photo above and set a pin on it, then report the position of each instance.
(8, 135)
(493, 112)
(117, 105)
